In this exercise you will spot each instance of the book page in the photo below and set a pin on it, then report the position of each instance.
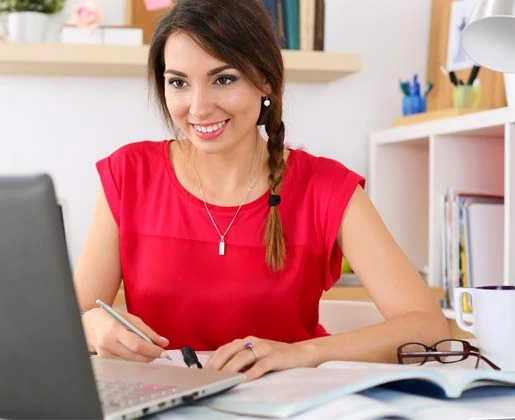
(487, 403)
(349, 407)
(453, 378)
(291, 391)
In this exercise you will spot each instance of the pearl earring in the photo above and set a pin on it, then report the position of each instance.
(267, 102)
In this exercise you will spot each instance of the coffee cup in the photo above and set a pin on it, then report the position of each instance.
(493, 321)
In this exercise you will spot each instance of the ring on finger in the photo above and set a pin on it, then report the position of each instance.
(250, 346)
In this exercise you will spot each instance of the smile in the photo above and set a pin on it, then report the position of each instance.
(209, 128)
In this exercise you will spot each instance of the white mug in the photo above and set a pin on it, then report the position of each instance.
(493, 321)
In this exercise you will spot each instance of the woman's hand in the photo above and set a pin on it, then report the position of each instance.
(108, 338)
(255, 356)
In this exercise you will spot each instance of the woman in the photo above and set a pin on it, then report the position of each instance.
(225, 239)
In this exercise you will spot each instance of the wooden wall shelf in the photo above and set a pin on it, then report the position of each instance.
(129, 61)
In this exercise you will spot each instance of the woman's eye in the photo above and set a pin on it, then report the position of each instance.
(176, 83)
(225, 80)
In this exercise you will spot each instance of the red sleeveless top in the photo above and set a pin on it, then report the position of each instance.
(173, 276)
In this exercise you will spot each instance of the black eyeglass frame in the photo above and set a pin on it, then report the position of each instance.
(431, 352)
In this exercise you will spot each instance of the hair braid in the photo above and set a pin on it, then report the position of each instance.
(274, 236)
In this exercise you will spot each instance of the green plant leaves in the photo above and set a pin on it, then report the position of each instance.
(42, 6)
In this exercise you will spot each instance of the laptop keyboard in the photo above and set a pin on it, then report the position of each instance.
(123, 394)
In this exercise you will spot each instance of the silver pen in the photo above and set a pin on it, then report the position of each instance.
(126, 323)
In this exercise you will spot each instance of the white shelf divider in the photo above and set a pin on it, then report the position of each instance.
(509, 204)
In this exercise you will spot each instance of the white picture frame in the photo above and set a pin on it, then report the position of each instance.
(457, 59)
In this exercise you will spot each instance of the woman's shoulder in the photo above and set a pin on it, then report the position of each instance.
(137, 160)
(139, 150)
(312, 165)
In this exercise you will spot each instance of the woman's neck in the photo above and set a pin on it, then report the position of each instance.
(224, 178)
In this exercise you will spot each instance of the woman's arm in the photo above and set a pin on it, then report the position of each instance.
(410, 311)
(98, 276)
(98, 271)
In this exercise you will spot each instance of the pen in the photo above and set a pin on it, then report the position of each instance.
(124, 322)
(452, 76)
(473, 75)
(190, 357)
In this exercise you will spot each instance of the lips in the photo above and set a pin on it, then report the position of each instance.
(210, 131)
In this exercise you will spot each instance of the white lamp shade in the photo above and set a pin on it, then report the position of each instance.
(489, 38)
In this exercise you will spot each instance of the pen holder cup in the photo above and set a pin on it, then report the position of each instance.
(413, 105)
(465, 96)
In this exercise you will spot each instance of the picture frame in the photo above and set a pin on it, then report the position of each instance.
(446, 21)
(136, 15)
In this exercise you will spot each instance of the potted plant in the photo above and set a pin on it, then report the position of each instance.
(28, 20)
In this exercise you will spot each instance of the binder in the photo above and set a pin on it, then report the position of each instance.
(485, 242)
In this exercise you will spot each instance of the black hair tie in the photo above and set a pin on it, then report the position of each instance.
(274, 200)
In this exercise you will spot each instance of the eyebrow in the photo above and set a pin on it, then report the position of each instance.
(211, 72)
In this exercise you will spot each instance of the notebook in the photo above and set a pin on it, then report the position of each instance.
(46, 369)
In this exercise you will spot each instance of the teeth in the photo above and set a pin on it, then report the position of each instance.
(209, 128)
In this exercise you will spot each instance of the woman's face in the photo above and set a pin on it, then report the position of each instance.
(215, 106)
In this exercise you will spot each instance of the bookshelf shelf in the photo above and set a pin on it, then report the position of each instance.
(130, 61)
(412, 167)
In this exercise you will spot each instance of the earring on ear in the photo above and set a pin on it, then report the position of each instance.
(266, 101)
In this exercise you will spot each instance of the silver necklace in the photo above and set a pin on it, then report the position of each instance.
(221, 244)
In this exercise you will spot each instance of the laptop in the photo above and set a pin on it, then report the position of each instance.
(46, 369)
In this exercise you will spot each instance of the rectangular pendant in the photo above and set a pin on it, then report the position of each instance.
(221, 248)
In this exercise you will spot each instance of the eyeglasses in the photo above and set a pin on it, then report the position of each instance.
(418, 353)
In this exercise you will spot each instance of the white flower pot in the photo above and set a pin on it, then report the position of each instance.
(27, 27)
(56, 22)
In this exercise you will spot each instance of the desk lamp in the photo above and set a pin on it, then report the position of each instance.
(489, 37)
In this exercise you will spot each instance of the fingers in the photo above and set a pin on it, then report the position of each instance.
(110, 339)
(123, 344)
(255, 356)
(136, 345)
(242, 355)
(119, 351)
(224, 354)
(145, 329)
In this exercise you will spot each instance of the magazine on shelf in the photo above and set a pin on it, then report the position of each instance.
(466, 233)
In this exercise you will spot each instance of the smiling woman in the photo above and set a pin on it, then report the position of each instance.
(223, 219)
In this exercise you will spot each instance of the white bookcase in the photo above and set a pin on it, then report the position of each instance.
(411, 168)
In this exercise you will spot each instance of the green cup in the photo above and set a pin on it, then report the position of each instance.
(465, 96)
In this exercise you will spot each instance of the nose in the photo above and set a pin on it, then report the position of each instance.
(201, 103)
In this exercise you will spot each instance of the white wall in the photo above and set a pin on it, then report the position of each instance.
(63, 125)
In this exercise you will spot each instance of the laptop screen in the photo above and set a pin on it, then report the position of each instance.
(46, 371)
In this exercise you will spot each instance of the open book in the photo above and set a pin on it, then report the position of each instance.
(377, 404)
(286, 393)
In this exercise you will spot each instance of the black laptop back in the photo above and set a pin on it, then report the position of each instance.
(45, 369)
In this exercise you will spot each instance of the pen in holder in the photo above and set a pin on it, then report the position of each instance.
(466, 96)
(413, 105)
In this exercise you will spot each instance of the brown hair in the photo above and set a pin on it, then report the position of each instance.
(241, 33)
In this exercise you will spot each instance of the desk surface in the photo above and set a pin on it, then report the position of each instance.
(360, 293)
